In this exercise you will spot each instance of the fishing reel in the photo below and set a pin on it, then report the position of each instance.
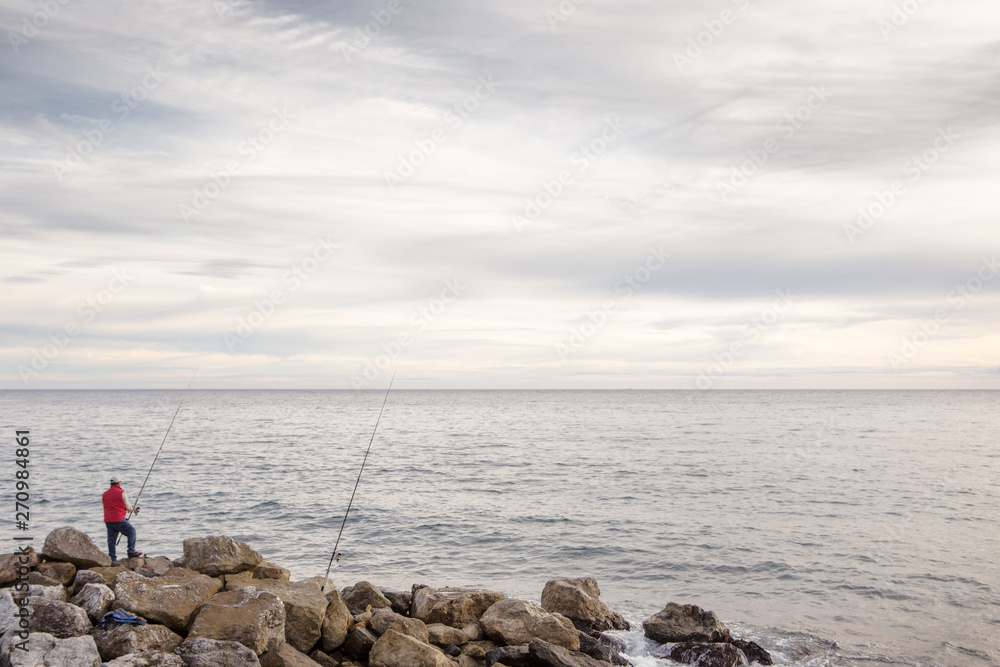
(338, 557)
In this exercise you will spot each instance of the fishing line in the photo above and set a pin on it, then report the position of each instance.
(335, 555)
(136, 503)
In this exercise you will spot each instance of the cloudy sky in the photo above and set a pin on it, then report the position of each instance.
(592, 194)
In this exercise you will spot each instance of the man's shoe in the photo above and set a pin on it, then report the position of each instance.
(136, 554)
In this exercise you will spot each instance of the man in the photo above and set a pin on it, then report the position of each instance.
(115, 507)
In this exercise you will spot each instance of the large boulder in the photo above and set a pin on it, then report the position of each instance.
(167, 600)
(515, 622)
(456, 607)
(69, 545)
(753, 652)
(401, 600)
(13, 564)
(84, 577)
(284, 655)
(442, 635)
(702, 654)
(599, 650)
(362, 594)
(39, 579)
(386, 619)
(579, 601)
(48, 592)
(61, 572)
(95, 599)
(9, 619)
(547, 654)
(147, 659)
(305, 609)
(394, 649)
(62, 620)
(44, 650)
(219, 554)
(271, 571)
(254, 618)
(108, 574)
(685, 623)
(119, 640)
(359, 643)
(336, 622)
(202, 652)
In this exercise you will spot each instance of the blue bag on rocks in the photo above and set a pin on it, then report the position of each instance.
(119, 616)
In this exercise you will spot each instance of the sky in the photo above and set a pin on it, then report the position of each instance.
(586, 194)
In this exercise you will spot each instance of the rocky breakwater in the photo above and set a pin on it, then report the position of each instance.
(222, 605)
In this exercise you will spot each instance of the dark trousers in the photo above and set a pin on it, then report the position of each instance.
(126, 529)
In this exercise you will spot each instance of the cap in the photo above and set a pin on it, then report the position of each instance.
(116, 480)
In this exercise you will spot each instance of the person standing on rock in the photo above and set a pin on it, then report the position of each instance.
(116, 505)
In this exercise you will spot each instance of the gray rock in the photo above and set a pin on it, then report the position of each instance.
(284, 655)
(123, 639)
(335, 623)
(441, 634)
(202, 652)
(44, 650)
(62, 620)
(386, 619)
(69, 545)
(702, 654)
(579, 601)
(48, 592)
(400, 600)
(323, 659)
(512, 656)
(95, 599)
(359, 643)
(550, 655)
(457, 607)
(84, 577)
(516, 622)
(753, 652)
(394, 649)
(305, 609)
(9, 619)
(600, 651)
(271, 571)
(39, 579)
(61, 572)
(172, 601)
(11, 562)
(360, 595)
(219, 554)
(685, 623)
(253, 618)
(147, 659)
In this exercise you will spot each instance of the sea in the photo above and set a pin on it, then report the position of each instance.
(834, 528)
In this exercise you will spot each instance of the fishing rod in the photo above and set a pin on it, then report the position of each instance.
(335, 555)
(136, 503)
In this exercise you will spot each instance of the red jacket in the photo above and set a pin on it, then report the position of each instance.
(114, 505)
